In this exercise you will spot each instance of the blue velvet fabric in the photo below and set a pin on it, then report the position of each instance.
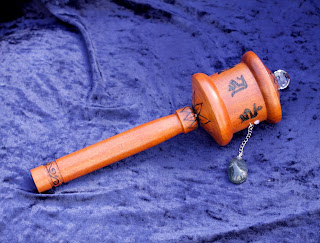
(74, 74)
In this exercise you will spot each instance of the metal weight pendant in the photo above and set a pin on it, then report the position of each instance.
(237, 170)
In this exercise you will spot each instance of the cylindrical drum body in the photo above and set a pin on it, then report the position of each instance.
(228, 101)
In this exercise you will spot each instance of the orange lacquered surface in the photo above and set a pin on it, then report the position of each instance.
(113, 149)
(119, 147)
(232, 99)
(223, 103)
(211, 109)
(244, 99)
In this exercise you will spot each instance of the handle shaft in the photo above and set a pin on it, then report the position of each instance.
(113, 149)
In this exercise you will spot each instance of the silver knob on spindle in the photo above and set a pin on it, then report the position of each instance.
(283, 78)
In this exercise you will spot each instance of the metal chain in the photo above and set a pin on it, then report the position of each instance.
(250, 128)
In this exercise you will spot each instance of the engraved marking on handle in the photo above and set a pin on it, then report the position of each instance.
(54, 173)
(197, 111)
(190, 117)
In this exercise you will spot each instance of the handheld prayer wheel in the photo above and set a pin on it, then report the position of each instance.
(223, 103)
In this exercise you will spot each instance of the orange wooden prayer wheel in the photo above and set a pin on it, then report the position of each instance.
(223, 103)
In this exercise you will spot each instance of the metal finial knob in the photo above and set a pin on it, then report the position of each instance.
(283, 78)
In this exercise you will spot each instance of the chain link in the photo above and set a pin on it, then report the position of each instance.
(250, 128)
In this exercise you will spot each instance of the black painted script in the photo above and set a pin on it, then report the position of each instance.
(247, 114)
(236, 86)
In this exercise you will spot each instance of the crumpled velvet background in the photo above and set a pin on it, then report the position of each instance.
(74, 74)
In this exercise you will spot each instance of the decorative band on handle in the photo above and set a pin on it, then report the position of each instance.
(54, 173)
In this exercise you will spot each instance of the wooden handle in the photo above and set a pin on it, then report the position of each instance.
(113, 149)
